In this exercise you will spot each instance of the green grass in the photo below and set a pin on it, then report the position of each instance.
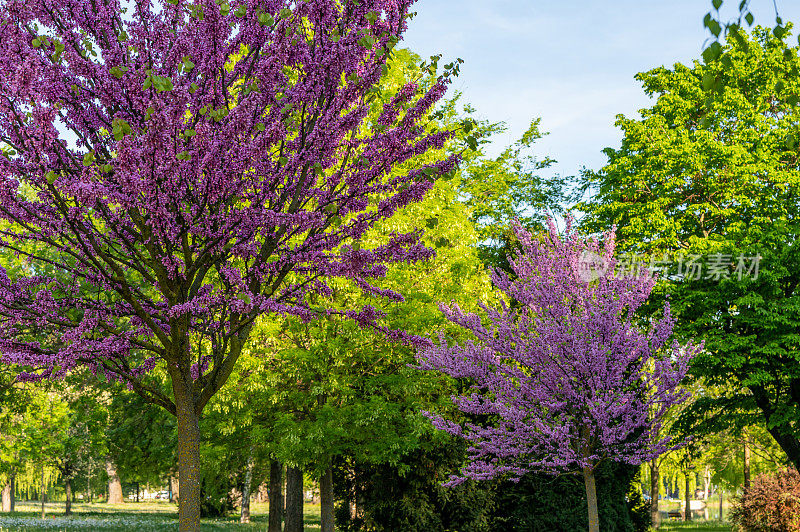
(710, 526)
(144, 517)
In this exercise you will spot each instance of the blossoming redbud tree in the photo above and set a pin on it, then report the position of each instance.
(175, 168)
(566, 375)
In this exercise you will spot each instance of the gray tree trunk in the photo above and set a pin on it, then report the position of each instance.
(294, 500)
(248, 480)
(275, 496)
(591, 499)
(68, 491)
(746, 462)
(114, 484)
(8, 493)
(326, 500)
(687, 516)
(655, 517)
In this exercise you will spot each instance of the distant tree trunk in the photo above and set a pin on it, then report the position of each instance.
(721, 494)
(591, 499)
(175, 488)
(248, 480)
(706, 482)
(687, 515)
(68, 492)
(42, 492)
(655, 517)
(326, 499)
(114, 484)
(9, 493)
(294, 500)
(137, 491)
(275, 496)
(746, 461)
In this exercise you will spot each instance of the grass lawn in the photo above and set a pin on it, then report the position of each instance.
(711, 526)
(143, 516)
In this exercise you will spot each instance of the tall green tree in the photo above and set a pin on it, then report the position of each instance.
(710, 187)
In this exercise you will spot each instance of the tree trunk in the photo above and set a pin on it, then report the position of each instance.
(721, 493)
(114, 484)
(174, 489)
(746, 462)
(68, 492)
(188, 453)
(687, 515)
(326, 500)
(137, 491)
(248, 480)
(42, 492)
(8, 493)
(275, 496)
(655, 517)
(591, 499)
(706, 483)
(294, 500)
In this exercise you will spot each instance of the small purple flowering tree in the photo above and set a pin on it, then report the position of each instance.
(566, 375)
(174, 169)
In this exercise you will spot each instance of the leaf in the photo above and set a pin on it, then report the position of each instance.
(148, 82)
(190, 133)
(749, 18)
(716, 4)
(118, 72)
(260, 126)
(184, 156)
(88, 159)
(224, 9)
(193, 88)
(265, 19)
(50, 177)
(36, 43)
(708, 80)
(240, 11)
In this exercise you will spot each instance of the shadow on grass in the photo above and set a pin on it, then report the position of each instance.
(144, 517)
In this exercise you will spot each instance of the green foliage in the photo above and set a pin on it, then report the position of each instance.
(541, 502)
(718, 178)
(412, 499)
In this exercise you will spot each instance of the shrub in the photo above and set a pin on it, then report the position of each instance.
(770, 504)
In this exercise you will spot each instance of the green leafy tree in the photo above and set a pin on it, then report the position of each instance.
(715, 184)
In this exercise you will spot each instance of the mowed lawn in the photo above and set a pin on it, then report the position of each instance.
(143, 516)
(162, 516)
(710, 526)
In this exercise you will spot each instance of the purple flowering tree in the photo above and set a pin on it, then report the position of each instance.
(567, 375)
(173, 169)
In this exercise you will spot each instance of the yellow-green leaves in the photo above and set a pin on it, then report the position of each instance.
(88, 159)
(50, 177)
(118, 71)
(160, 83)
(187, 64)
(120, 128)
(184, 156)
(265, 19)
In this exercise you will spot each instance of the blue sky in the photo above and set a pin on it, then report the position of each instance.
(569, 62)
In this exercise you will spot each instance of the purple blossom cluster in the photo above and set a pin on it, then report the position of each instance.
(171, 170)
(568, 374)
